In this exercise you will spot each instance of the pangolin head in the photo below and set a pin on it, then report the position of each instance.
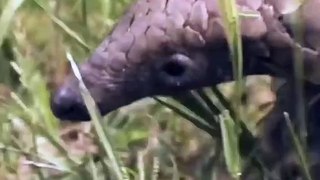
(163, 47)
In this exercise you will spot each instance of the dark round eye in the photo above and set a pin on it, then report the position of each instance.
(176, 65)
(174, 68)
(177, 70)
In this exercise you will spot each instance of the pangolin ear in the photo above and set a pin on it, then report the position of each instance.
(285, 6)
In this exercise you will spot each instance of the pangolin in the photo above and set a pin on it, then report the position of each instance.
(163, 47)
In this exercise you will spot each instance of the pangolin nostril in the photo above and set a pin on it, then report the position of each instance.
(65, 105)
(63, 101)
(173, 69)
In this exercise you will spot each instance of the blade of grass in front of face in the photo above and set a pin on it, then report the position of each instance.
(298, 32)
(247, 140)
(206, 98)
(220, 101)
(197, 121)
(230, 141)
(96, 119)
(6, 17)
(233, 32)
(299, 147)
(193, 102)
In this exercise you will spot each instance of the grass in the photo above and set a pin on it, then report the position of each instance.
(192, 136)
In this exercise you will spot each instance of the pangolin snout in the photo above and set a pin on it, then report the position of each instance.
(66, 104)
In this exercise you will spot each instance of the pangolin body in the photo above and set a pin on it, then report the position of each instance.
(162, 47)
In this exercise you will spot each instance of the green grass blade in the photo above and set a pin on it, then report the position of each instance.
(233, 32)
(6, 17)
(106, 7)
(298, 32)
(94, 169)
(63, 26)
(299, 147)
(84, 12)
(223, 100)
(230, 140)
(193, 102)
(197, 121)
(96, 120)
(214, 109)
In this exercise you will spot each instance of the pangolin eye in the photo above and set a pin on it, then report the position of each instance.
(174, 68)
(176, 65)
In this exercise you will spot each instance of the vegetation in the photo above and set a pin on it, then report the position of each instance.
(192, 137)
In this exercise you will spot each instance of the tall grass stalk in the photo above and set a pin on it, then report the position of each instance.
(232, 29)
(230, 129)
(74, 35)
(96, 120)
(230, 141)
(299, 147)
(298, 32)
(7, 16)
